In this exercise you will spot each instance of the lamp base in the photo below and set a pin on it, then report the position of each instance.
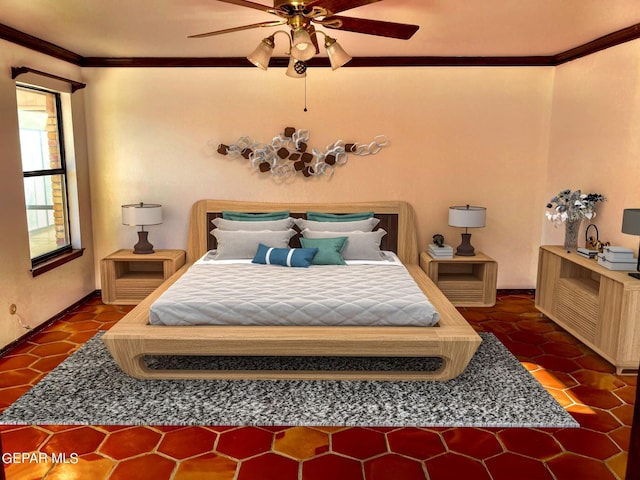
(143, 246)
(465, 249)
(637, 275)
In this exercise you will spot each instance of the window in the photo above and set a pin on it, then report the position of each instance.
(44, 171)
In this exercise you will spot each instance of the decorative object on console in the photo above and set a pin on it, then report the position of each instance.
(300, 16)
(592, 245)
(288, 153)
(444, 251)
(438, 240)
(587, 252)
(141, 215)
(468, 217)
(439, 249)
(570, 208)
(631, 226)
(617, 258)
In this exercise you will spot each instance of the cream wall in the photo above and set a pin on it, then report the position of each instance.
(595, 137)
(504, 138)
(37, 298)
(458, 135)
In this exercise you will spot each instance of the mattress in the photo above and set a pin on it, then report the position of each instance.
(242, 293)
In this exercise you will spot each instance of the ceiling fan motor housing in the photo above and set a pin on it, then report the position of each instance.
(279, 3)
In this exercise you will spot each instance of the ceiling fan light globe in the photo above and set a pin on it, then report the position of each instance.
(262, 54)
(337, 56)
(303, 55)
(302, 47)
(293, 72)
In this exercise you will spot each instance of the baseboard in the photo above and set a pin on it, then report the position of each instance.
(20, 340)
(516, 291)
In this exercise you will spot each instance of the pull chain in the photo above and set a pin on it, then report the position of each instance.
(305, 92)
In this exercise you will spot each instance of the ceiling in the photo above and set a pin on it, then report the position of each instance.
(470, 28)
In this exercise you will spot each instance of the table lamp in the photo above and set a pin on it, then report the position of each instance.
(631, 226)
(468, 217)
(141, 215)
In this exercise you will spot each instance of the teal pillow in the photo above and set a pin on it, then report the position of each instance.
(329, 250)
(287, 257)
(252, 217)
(338, 217)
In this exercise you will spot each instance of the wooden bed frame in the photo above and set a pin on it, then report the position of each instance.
(453, 339)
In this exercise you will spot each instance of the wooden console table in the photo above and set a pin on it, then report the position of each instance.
(600, 307)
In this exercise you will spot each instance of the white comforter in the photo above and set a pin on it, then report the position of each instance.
(242, 293)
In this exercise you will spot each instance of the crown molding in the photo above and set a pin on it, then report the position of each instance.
(33, 43)
(607, 41)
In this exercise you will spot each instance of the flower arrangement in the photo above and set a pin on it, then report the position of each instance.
(568, 205)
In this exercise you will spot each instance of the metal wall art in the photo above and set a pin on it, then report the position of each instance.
(289, 153)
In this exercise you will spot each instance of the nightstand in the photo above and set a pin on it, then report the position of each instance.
(465, 281)
(127, 278)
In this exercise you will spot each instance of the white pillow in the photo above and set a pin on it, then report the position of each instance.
(355, 226)
(239, 244)
(254, 225)
(359, 246)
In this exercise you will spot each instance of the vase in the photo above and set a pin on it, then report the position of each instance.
(571, 234)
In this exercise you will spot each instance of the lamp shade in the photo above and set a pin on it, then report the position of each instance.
(141, 214)
(631, 221)
(467, 216)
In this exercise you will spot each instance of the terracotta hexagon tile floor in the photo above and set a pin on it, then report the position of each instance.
(580, 380)
(391, 466)
(210, 465)
(360, 443)
(187, 442)
(245, 442)
(129, 442)
(418, 443)
(333, 466)
(301, 442)
(472, 442)
(269, 466)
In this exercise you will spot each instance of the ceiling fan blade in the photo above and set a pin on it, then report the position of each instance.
(336, 6)
(272, 23)
(244, 3)
(402, 31)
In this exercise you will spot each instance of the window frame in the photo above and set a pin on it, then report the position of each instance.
(61, 171)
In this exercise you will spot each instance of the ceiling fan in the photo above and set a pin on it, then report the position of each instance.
(301, 16)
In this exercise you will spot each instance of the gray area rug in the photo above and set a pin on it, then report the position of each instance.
(89, 389)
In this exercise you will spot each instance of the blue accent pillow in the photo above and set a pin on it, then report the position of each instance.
(338, 217)
(287, 257)
(329, 250)
(252, 217)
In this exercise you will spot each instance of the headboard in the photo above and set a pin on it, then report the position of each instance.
(396, 218)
